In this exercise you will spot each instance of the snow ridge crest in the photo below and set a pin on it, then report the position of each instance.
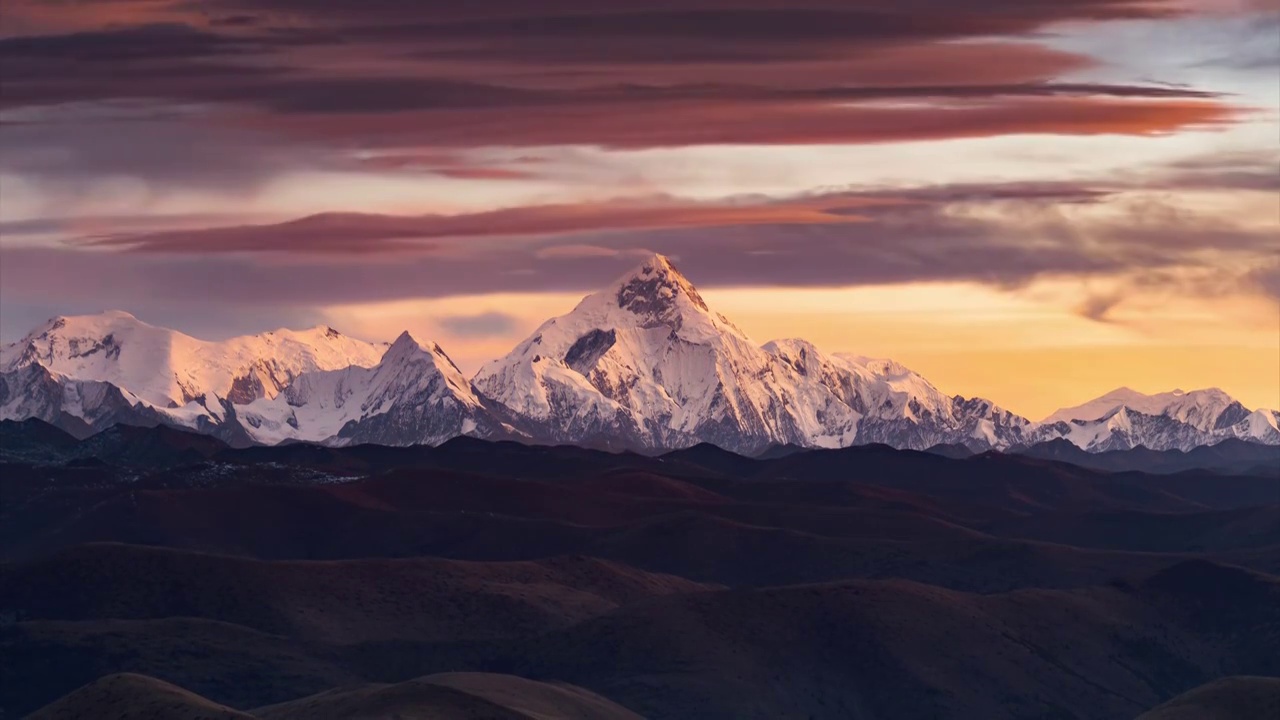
(643, 364)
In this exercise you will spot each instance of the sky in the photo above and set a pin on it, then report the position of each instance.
(1032, 201)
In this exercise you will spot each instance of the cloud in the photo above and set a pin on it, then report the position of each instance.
(1252, 46)
(1003, 235)
(915, 245)
(262, 88)
(94, 225)
(563, 43)
(235, 21)
(483, 325)
(165, 42)
(1266, 277)
(99, 94)
(181, 74)
(236, 127)
(1096, 307)
(587, 251)
(485, 173)
(1256, 170)
(798, 122)
(364, 233)
(64, 149)
(192, 315)
(711, 20)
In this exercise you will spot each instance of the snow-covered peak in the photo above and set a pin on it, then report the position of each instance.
(1262, 420)
(656, 292)
(406, 366)
(646, 360)
(1205, 410)
(414, 395)
(651, 296)
(642, 363)
(113, 347)
(316, 333)
(874, 387)
(403, 348)
(879, 366)
(1119, 419)
(166, 369)
(47, 342)
(1259, 426)
(406, 351)
(622, 331)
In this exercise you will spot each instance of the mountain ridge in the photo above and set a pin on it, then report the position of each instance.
(644, 364)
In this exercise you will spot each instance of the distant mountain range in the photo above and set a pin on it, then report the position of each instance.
(36, 443)
(643, 365)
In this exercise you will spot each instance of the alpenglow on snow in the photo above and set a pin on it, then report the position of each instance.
(644, 364)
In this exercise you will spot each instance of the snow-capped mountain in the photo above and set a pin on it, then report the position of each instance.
(414, 395)
(898, 406)
(166, 368)
(644, 364)
(648, 362)
(99, 370)
(1205, 410)
(81, 407)
(1260, 426)
(1124, 418)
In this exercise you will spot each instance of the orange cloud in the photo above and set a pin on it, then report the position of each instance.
(357, 232)
(794, 122)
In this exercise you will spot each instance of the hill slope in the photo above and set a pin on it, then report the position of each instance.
(1233, 698)
(128, 696)
(454, 696)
